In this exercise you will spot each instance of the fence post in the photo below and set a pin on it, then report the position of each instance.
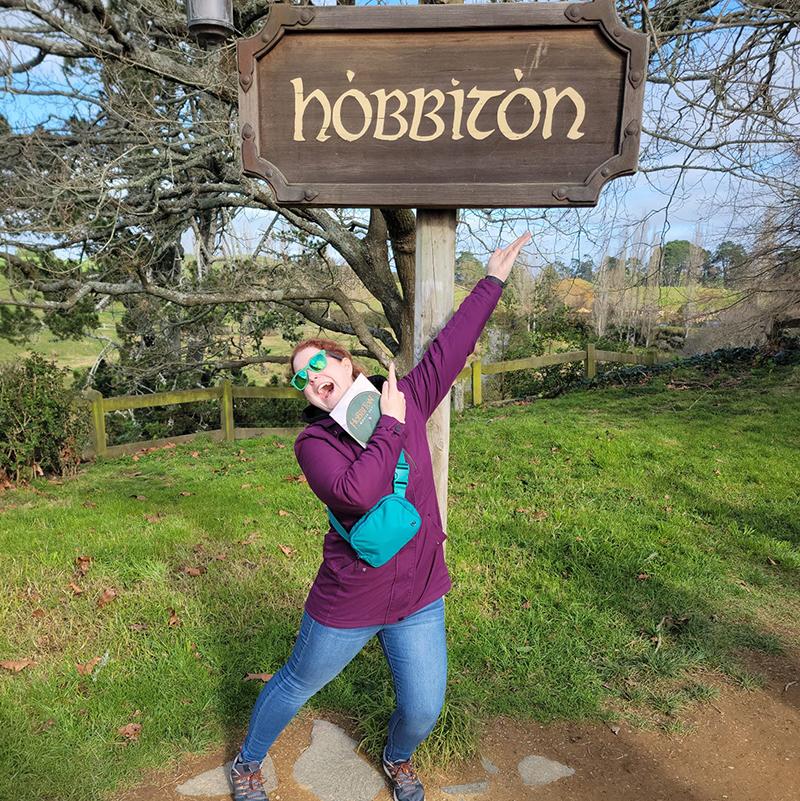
(477, 389)
(98, 422)
(590, 362)
(226, 411)
(458, 397)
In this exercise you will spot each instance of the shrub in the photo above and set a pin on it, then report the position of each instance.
(44, 424)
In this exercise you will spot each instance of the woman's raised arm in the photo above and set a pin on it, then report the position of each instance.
(431, 379)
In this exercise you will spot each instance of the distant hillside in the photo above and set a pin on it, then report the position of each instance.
(579, 295)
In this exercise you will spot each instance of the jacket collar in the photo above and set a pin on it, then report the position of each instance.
(313, 414)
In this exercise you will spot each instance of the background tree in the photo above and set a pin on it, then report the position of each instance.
(469, 268)
(722, 266)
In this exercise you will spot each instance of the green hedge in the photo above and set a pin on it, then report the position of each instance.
(44, 424)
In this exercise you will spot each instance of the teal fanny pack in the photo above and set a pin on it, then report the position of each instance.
(388, 526)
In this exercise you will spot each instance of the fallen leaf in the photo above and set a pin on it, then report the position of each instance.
(282, 513)
(522, 510)
(194, 454)
(107, 597)
(130, 731)
(89, 505)
(298, 479)
(46, 726)
(279, 445)
(643, 576)
(16, 665)
(38, 613)
(193, 571)
(86, 668)
(526, 604)
(138, 627)
(540, 515)
(185, 494)
(76, 590)
(220, 557)
(174, 620)
(155, 518)
(82, 565)
(258, 677)
(287, 551)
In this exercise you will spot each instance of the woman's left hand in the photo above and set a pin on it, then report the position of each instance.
(502, 260)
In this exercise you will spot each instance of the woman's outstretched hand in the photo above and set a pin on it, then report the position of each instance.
(393, 402)
(502, 260)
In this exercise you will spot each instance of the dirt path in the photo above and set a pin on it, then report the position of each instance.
(744, 746)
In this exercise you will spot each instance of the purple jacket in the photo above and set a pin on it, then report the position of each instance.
(347, 592)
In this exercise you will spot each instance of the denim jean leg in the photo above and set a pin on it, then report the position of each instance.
(416, 651)
(319, 655)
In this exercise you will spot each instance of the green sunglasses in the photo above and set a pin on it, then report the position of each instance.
(319, 361)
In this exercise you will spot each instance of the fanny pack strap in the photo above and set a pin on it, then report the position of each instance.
(399, 485)
(401, 476)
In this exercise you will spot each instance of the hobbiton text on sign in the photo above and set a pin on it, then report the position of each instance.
(442, 106)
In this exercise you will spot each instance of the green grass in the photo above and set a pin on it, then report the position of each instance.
(610, 550)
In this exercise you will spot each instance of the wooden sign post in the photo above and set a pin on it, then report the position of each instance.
(439, 107)
(434, 294)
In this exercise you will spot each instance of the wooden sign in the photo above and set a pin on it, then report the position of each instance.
(535, 104)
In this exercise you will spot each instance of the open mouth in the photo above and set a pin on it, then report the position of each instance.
(325, 390)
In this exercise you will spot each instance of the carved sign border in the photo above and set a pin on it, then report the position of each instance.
(599, 14)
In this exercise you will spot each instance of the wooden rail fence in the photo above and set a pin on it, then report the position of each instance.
(225, 392)
(476, 369)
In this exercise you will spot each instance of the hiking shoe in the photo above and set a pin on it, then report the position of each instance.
(406, 785)
(247, 781)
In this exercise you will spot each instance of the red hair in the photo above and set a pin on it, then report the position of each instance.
(330, 347)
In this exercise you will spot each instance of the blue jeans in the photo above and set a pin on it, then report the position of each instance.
(417, 655)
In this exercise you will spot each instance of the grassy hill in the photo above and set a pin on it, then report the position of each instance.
(609, 551)
(579, 295)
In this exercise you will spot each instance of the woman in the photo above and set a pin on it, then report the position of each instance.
(402, 602)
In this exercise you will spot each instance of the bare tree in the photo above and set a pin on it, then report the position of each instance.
(652, 305)
(140, 146)
(601, 304)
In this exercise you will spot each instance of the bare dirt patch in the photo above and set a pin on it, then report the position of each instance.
(743, 746)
